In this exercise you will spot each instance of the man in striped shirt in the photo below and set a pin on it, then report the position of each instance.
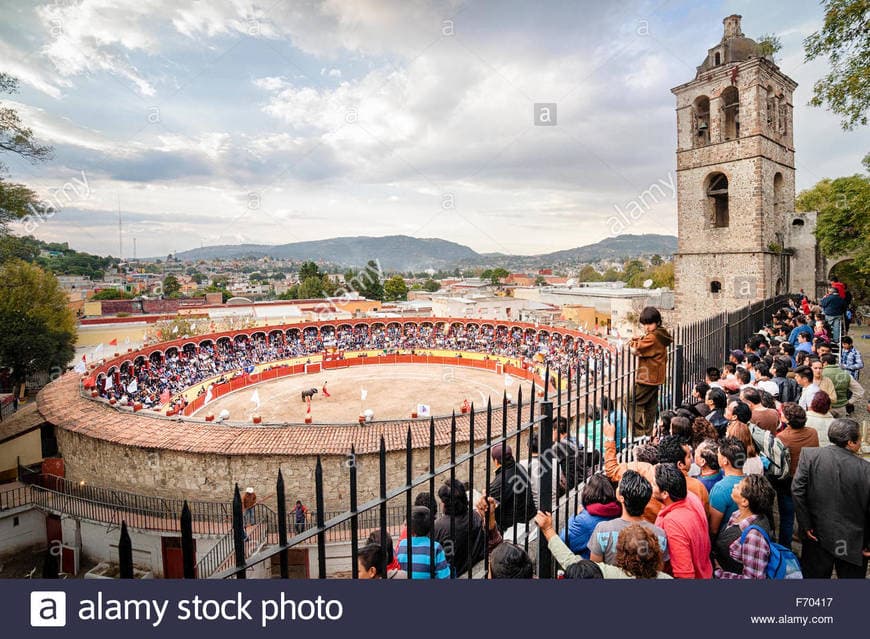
(420, 564)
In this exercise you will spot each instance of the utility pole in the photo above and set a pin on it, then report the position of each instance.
(120, 232)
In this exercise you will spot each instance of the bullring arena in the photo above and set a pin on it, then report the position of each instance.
(149, 421)
(393, 392)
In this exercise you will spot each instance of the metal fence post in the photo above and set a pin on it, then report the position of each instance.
(125, 553)
(239, 533)
(282, 524)
(188, 555)
(321, 533)
(545, 487)
(679, 372)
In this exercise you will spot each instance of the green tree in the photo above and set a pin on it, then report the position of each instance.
(37, 328)
(291, 293)
(328, 285)
(497, 274)
(16, 200)
(171, 285)
(845, 40)
(112, 294)
(197, 277)
(656, 260)
(588, 274)
(540, 280)
(369, 282)
(308, 269)
(395, 289)
(843, 224)
(431, 285)
(611, 275)
(17, 248)
(769, 45)
(311, 288)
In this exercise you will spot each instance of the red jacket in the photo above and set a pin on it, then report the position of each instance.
(685, 524)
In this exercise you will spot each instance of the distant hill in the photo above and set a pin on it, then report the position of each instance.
(612, 248)
(404, 253)
(395, 252)
(617, 247)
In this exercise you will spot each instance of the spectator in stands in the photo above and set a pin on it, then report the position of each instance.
(851, 358)
(615, 470)
(833, 306)
(511, 488)
(804, 378)
(744, 377)
(382, 538)
(824, 383)
(739, 417)
(683, 519)
(766, 418)
(697, 403)
(839, 378)
(763, 381)
(801, 327)
(707, 459)
(746, 559)
(712, 378)
(633, 493)
(651, 350)
(599, 504)
(717, 401)
(419, 564)
(819, 418)
(638, 555)
(534, 468)
(820, 332)
(789, 390)
(732, 453)
(459, 529)
(788, 351)
(372, 562)
(583, 569)
(673, 450)
(681, 426)
(804, 345)
(831, 492)
(796, 437)
(701, 430)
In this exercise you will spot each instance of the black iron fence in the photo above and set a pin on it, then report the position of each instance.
(584, 397)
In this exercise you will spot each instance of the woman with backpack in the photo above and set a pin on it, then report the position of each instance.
(742, 549)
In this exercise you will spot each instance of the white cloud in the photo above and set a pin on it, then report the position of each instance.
(29, 71)
(95, 36)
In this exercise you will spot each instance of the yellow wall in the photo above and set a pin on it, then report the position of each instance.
(93, 309)
(27, 446)
(585, 315)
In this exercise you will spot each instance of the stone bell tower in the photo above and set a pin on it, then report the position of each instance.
(735, 180)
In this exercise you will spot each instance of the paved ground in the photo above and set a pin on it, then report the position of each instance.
(393, 392)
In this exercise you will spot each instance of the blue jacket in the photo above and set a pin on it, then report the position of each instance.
(802, 328)
(580, 526)
(833, 305)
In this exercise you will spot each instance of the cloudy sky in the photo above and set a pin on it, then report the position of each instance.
(228, 121)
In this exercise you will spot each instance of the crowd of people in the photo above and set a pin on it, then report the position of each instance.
(758, 475)
(159, 381)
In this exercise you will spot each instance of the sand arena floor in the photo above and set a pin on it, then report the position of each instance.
(394, 390)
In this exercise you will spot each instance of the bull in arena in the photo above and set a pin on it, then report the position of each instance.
(308, 394)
